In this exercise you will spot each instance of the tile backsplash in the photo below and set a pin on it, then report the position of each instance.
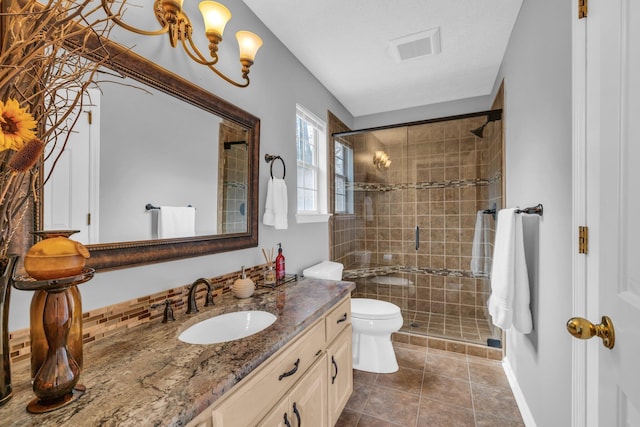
(103, 322)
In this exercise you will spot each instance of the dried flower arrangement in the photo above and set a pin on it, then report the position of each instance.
(44, 71)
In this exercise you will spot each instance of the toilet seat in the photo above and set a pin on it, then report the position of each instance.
(371, 309)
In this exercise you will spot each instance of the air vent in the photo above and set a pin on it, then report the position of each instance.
(416, 45)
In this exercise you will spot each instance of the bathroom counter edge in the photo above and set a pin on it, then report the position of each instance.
(146, 376)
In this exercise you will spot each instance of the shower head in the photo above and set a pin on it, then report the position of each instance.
(491, 117)
(478, 131)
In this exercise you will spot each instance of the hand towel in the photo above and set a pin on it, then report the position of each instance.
(368, 208)
(509, 299)
(275, 212)
(481, 248)
(175, 221)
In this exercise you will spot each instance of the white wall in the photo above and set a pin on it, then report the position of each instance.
(537, 75)
(279, 81)
(432, 111)
(148, 155)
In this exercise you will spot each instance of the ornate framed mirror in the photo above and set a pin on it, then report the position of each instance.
(233, 172)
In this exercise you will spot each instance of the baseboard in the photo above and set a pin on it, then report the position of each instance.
(527, 417)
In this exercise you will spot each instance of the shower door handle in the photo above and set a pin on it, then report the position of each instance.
(417, 237)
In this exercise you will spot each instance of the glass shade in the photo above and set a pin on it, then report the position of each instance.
(173, 3)
(172, 6)
(249, 44)
(215, 17)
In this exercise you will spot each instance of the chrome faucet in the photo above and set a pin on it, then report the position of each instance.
(191, 303)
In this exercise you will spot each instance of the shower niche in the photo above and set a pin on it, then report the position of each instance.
(408, 236)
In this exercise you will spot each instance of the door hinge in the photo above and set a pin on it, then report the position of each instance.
(582, 8)
(89, 218)
(89, 116)
(583, 240)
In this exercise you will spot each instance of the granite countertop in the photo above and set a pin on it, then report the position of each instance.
(146, 376)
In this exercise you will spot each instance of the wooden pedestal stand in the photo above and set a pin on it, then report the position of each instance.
(56, 383)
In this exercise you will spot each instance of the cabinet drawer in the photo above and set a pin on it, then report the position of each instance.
(338, 319)
(263, 388)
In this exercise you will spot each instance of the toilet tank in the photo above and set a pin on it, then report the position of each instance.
(328, 270)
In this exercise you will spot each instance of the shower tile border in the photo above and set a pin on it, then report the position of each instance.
(361, 273)
(469, 349)
(454, 183)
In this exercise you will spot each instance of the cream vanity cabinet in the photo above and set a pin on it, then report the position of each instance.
(306, 404)
(306, 383)
(340, 375)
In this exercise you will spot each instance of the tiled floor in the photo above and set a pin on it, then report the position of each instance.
(432, 388)
(448, 326)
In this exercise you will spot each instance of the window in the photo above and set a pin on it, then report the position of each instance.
(311, 167)
(343, 178)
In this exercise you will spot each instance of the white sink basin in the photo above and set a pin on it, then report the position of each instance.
(227, 327)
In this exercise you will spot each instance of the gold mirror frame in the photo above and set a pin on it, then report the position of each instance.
(126, 254)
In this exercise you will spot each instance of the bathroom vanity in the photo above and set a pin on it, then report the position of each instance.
(300, 366)
(307, 382)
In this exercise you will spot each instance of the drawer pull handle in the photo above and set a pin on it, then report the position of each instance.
(295, 411)
(286, 421)
(342, 319)
(335, 365)
(291, 372)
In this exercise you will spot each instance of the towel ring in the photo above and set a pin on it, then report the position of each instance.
(270, 158)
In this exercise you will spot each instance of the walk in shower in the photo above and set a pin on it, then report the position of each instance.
(407, 199)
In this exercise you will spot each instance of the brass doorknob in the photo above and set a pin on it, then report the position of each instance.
(583, 329)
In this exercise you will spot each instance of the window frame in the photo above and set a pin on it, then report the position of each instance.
(347, 177)
(319, 214)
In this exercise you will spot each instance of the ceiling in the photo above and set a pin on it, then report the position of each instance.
(345, 45)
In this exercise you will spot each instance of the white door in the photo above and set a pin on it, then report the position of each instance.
(613, 210)
(71, 193)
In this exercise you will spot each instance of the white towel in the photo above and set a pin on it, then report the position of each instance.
(175, 221)
(275, 212)
(368, 208)
(509, 300)
(481, 248)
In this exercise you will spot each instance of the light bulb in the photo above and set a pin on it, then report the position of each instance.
(249, 44)
(215, 17)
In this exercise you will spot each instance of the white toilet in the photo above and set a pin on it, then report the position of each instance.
(373, 323)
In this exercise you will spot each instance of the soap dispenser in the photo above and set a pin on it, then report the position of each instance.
(244, 287)
(280, 263)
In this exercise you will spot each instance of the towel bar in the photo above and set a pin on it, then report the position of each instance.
(150, 207)
(531, 210)
(491, 211)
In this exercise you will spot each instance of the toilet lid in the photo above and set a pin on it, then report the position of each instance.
(365, 308)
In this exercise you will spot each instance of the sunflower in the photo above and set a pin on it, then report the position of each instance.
(17, 125)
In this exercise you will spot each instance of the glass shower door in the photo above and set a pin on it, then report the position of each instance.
(417, 192)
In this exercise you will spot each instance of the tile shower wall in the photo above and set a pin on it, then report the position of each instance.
(232, 179)
(343, 226)
(440, 176)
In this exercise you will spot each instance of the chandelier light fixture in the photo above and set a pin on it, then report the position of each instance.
(381, 160)
(177, 25)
